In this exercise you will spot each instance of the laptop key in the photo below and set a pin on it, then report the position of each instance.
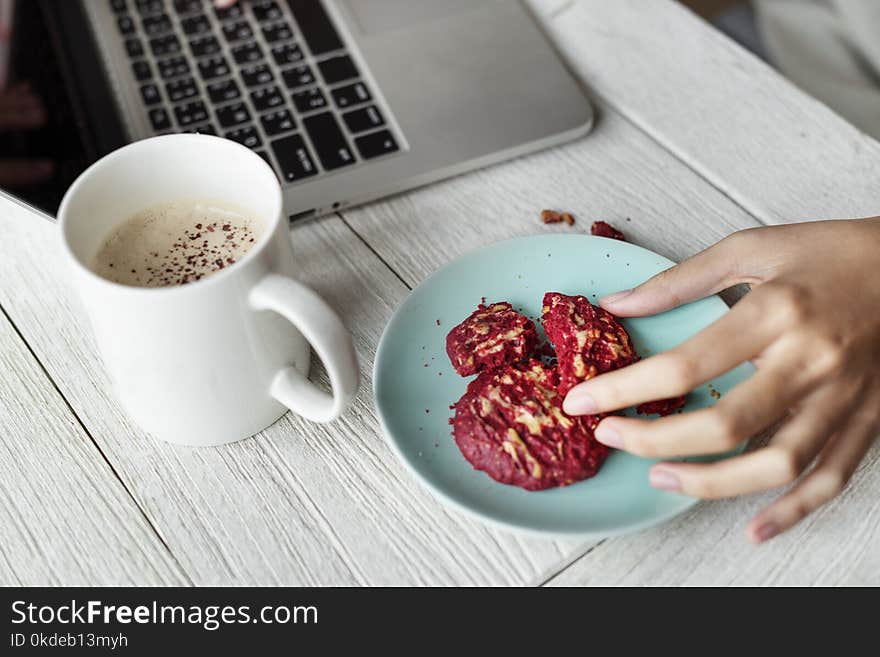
(150, 94)
(149, 6)
(159, 119)
(191, 113)
(165, 45)
(256, 75)
(274, 123)
(376, 144)
(308, 100)
(134, 47)
(156, 25)
(181, 89)
(141, 70)
(118, 5)
(293, 158)
(247, 53)
(363, 119)
(204, 46)
(126, 25)
(266, 99)
(315, 25)
(267, 11)
(229, 13)
(196, 25)
(289, 53)
(246, 136)
(173, 67)
(232, 115)
(298, 76)
(328, 140)
(278, 32)
(351, 94)
(223, 91)
(187, 6)
(214, 67)
(337, 69)
(237, 31)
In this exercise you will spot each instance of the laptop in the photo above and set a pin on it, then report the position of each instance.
(347, 100)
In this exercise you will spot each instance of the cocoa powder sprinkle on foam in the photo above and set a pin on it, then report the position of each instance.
(192, 255)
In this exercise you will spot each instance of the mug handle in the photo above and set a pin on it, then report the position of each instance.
(324, 331)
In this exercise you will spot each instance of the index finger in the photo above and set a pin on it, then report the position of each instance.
(724, 344)
(712, 270)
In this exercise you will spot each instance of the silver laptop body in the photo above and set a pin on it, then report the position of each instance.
(393, 95)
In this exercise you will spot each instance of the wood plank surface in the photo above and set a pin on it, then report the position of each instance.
(65, 519)
(617, 174)
(779, 153)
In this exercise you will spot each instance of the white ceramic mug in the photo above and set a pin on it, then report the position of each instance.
(222, 358)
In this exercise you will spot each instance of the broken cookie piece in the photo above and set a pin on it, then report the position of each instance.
(554, 217)
(510, 424)
(588, 340)
(493, 336)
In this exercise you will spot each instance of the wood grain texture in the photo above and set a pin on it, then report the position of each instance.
(299, 504)
(781, 154)
(65, 519)
(617, 174)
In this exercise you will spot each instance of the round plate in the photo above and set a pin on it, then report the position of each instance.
(414, 383)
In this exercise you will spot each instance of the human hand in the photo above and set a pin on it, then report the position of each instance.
(222, 4)
(811, 324)
(22, 109)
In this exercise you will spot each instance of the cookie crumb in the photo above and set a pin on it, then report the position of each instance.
(604, 229)
(550, 216)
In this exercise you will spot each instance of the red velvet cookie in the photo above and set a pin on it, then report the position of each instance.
(603, 229)
(661, 407)
(510, 424)
(588, 340)
(493, 336)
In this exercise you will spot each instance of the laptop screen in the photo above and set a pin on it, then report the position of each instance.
(56, 115)
(41, 147)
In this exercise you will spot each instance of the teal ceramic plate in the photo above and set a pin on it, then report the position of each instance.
(415, 384)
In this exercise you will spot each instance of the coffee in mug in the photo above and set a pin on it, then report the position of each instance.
(204, 334)
(176, 242)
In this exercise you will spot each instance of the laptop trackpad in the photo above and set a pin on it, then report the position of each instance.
(376, 16)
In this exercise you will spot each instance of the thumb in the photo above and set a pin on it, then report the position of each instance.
(708, 272)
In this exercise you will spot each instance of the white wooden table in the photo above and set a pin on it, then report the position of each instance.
(695, 139)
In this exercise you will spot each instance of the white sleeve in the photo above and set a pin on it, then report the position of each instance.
(829, 48)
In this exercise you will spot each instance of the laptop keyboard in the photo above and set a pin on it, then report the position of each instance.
(273, 75)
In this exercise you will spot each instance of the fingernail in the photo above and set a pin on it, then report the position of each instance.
(579, 403)
(609, 436)
(614, 298)
(663, 479)
(765, 532)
